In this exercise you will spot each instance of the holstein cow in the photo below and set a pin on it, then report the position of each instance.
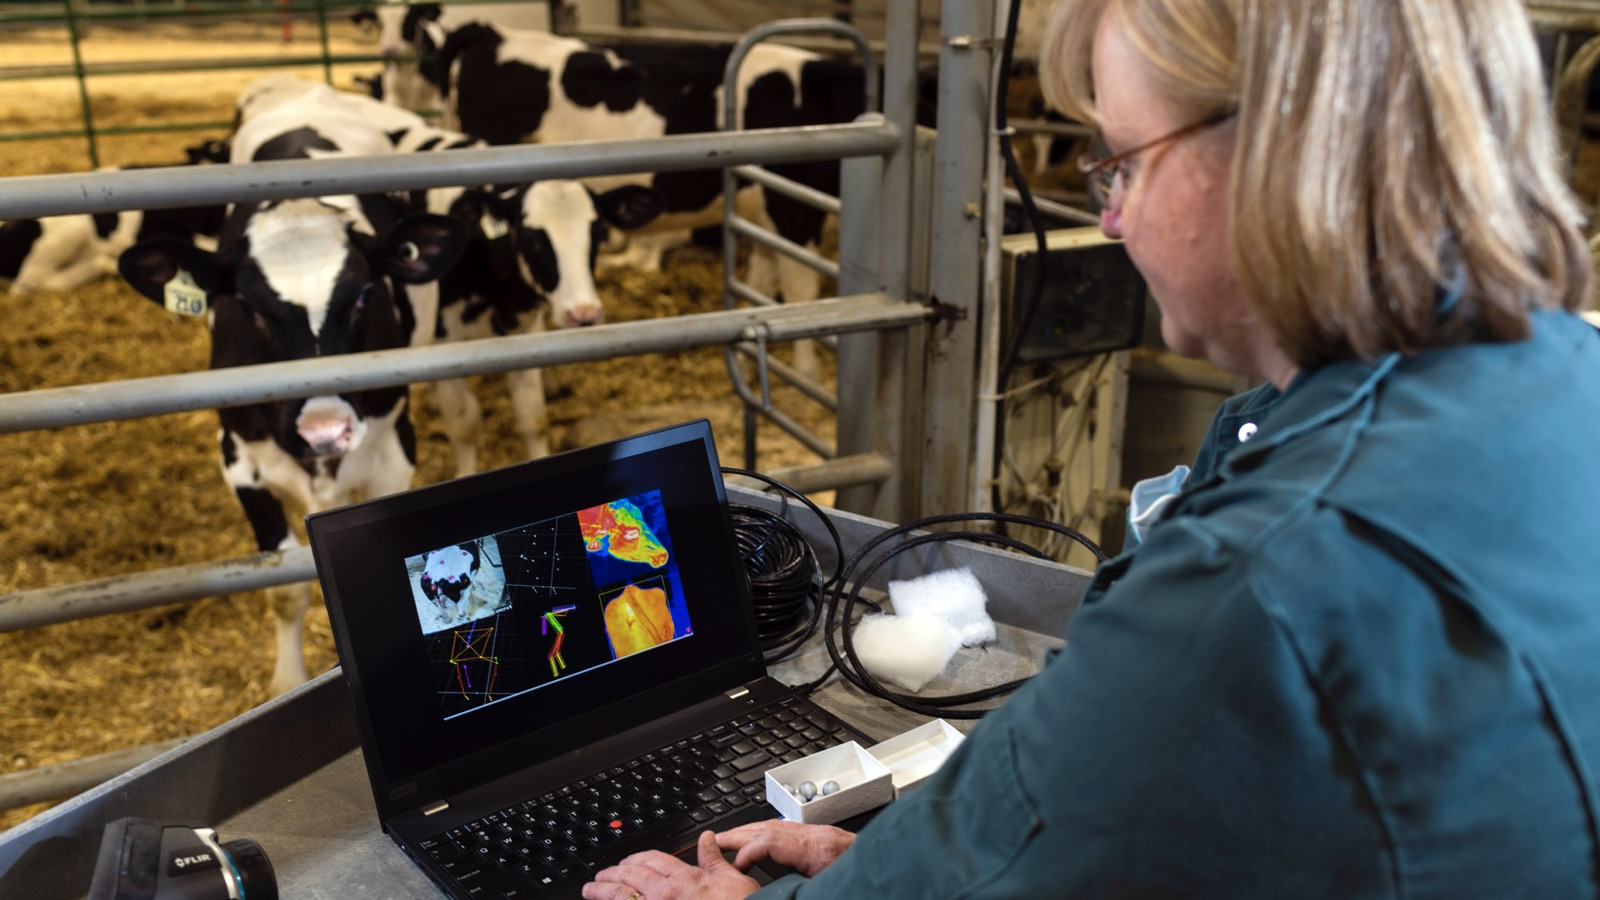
(298, 279)
(528, 263)
(418, 30)
(512, 87)
(63, 253)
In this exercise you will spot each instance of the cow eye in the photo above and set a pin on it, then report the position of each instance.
(410, 252)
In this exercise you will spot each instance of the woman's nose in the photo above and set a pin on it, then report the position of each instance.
(1111, 221)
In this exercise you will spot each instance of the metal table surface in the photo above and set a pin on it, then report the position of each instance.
(288, 774)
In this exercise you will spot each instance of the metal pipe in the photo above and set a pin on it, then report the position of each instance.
(750, 295)
(846, 471)
(71, 778)
(143, 590)
(174, 186)
(995, 193)
(1051, 207)
(82, 404)
(1045, 126)
(740, 225)
(792, 376)
(606, 36)
(789, 188)
(1165, 368)
(92, 70)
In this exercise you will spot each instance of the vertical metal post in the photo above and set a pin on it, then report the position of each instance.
(83, 86)
(867, 387)
(322, 36)
(860, 271)
(966, 27)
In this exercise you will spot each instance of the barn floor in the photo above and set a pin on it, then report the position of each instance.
(92, 501)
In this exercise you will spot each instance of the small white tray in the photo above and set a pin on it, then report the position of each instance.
(864, 783)
(914, 755)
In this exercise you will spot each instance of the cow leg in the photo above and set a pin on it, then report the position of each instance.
(801, 284)
(288, 601)
(462, 416)
(762, 274)
(533, 418)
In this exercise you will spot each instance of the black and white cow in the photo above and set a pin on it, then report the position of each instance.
(298, 279)
(63, 253)
(418, 30)
(511, 87)
(528, 264)
(447, 573)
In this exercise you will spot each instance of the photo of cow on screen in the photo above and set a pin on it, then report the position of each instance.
(457, 584)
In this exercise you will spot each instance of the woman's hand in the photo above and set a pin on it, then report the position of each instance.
(654, 875)
(808, 849)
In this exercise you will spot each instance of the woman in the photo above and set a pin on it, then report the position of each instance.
(1360, 656)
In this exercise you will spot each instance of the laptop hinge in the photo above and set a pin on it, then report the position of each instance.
(737, 692)
(436, 808)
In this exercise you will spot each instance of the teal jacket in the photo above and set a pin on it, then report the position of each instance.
(1360, 660)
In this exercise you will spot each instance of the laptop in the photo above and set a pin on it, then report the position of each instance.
(555, 664)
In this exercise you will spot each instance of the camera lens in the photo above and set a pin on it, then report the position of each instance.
(253, 869)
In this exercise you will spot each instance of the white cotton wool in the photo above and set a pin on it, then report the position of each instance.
(953, 595)
(904, 650)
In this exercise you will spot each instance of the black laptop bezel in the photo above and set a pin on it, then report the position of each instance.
(413, 756)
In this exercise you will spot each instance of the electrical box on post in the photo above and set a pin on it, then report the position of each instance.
(1092, 299)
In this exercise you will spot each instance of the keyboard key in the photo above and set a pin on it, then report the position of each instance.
(755, 775)
(700, 815)
(756, 758)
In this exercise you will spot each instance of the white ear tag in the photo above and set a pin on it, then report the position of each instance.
(183, 296)
(493, 227)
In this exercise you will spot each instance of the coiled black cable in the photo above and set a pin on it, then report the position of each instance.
(786, 588)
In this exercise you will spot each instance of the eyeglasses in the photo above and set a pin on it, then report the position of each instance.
(1100, 173)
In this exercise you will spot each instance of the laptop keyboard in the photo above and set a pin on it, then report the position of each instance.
(563, 836)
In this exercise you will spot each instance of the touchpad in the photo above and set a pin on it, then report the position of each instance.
(764, 872)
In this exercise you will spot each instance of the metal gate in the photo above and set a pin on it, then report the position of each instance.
(886, 350)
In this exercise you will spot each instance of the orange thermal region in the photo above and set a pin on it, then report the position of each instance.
(638, 619)
(619, 529)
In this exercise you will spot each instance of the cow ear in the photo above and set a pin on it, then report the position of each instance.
(630, 206)
(422, 248)
(429, 11)
(177, 275)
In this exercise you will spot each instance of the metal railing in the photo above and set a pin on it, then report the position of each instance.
(874, 143)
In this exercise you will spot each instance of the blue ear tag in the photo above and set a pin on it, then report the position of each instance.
(493, 227)
(183, 296)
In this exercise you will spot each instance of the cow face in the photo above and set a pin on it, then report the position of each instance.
(294, 280)
(447, 574)
(403, 27)
(561, 228)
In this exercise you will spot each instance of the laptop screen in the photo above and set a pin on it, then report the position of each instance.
(492, 621)
(522, 609)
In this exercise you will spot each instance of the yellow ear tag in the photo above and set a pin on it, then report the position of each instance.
(493, 227)
(183, 296)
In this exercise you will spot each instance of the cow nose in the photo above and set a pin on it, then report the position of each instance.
(327, 426)
(583, 318)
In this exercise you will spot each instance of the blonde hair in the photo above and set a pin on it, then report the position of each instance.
(1386, 150)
